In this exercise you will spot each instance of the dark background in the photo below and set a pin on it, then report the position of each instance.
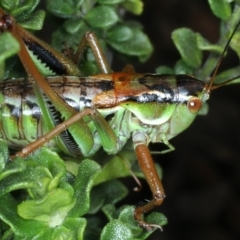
(202, 176)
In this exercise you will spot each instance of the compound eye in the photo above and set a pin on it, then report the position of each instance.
(194, 104)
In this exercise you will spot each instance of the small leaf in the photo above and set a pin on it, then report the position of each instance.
(77, 227)
(101, 17)
(88, 170)
(8, 47)
(116, 230)
(52, 208)
(23, 11)
(221, 9)
(138, 45)
(116, 167)
(182, 68)
(62, 233)
(120, 33)
(186, 43)
(72, 25)
(235, 43)
(133, 6)
(64, 9)
(3, 156)
(89, 68)
(110, 2)
(72, 40)
(110, 211)
(126, 215)
(164, 70)
(228, 74)
(35, 21)
(16, 166)
(108, 192)
(24, 229)
(203, 44)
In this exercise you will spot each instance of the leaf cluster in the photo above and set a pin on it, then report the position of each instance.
(191, 45)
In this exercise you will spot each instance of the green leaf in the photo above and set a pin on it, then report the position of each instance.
(164, 70)
(21, 11)
(24, 229)
(62, 233)
(89, 68)
(61, 35)
(126, 214)
(228, 74)
(8, 46)
(50, 163)
(77, 227)
(186, 42)
(73, 25)
(120, 33)
(8, 5)
(116, 230)
(101, 17)
(116, 167)
(35, 21)
(3, 156)
(64, 9)
(235, 43)
(110, 212)
(203, 44)
(16, 166)
(138, 45)
(133, 6)
(221, 9)
(108, 192)
(51, 208)
(110, 2)
(182, 68)
(88, 170)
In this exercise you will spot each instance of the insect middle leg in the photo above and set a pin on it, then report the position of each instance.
(149, 170)
(90, 39)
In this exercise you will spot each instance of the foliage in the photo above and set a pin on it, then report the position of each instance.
(45, 197)
(191, 45)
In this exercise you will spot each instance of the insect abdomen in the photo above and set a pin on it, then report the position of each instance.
(21, 120)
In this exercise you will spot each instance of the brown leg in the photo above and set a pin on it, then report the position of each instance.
(53, 133)
(90, 39)
(147, 166)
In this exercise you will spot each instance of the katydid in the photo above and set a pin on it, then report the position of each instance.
(80, 114)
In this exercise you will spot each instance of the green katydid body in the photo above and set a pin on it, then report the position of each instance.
(155, 105)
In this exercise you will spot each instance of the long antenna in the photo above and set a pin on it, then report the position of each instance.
(210, 85)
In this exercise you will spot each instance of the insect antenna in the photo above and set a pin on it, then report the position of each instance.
(209, 86)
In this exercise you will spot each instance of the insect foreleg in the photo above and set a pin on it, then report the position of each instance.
(149, 170)
(167, 143)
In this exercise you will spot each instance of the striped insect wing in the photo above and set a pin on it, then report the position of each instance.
(150, 98)
(153, 98)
